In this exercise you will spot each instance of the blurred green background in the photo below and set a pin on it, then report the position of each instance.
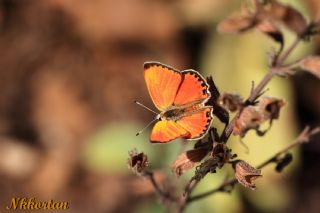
(70, 71)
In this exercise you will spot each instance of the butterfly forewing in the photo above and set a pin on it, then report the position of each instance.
(162, 83)
(193, 88)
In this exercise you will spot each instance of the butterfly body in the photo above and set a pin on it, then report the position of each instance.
(180, 96)
(176, 113)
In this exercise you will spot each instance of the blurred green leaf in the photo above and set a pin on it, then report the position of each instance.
(107, 149)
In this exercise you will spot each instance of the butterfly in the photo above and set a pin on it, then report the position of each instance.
(180, 96)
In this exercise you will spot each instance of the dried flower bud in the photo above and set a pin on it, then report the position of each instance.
(137, 162)
(209, 165)
(311, 65)
(231, 101)
(236, 23)
(284, 162)
(270, 107)
(187, 160)
(246, 174)
(250, 118)
(221, 151)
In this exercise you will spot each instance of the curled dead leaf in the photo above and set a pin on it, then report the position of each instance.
(220, 112)
(311, 65)
(187, 160)
(246, 174)
(271, 30)
(251, 117)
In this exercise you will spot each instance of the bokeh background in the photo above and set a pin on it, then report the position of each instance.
(71, 69)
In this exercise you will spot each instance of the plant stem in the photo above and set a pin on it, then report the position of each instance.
(162, 194)
(257, 90)
(221, 188)
(255, 93)
(185, 198)
(253, 96)
(303, 137)
(286, 54)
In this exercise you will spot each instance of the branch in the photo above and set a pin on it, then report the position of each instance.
(222, 188)
(286, 54)
(186, 195)
(165, 196)
(304, 137)
(256, 92)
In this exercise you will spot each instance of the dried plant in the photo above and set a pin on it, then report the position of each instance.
(212, 153)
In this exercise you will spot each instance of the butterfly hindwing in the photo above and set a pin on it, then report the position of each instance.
(193, 88)
(162, 83)
(165, 131)
(198, 123)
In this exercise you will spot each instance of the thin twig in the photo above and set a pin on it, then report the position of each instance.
(186, 195)
(221, 188)
(304, 137)
(165, 196)
(286, 54)
(254, 94)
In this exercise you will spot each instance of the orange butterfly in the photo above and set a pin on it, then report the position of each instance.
(181, 98)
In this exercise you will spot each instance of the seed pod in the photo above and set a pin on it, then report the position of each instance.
(246, 174)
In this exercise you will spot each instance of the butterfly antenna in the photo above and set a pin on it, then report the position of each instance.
(140, 104)
(156, 118)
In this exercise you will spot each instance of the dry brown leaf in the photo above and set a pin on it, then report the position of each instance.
(231, 101)
(289, 16)
(311, 65)
(187, 160)
(236, 23)
(250, 118)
